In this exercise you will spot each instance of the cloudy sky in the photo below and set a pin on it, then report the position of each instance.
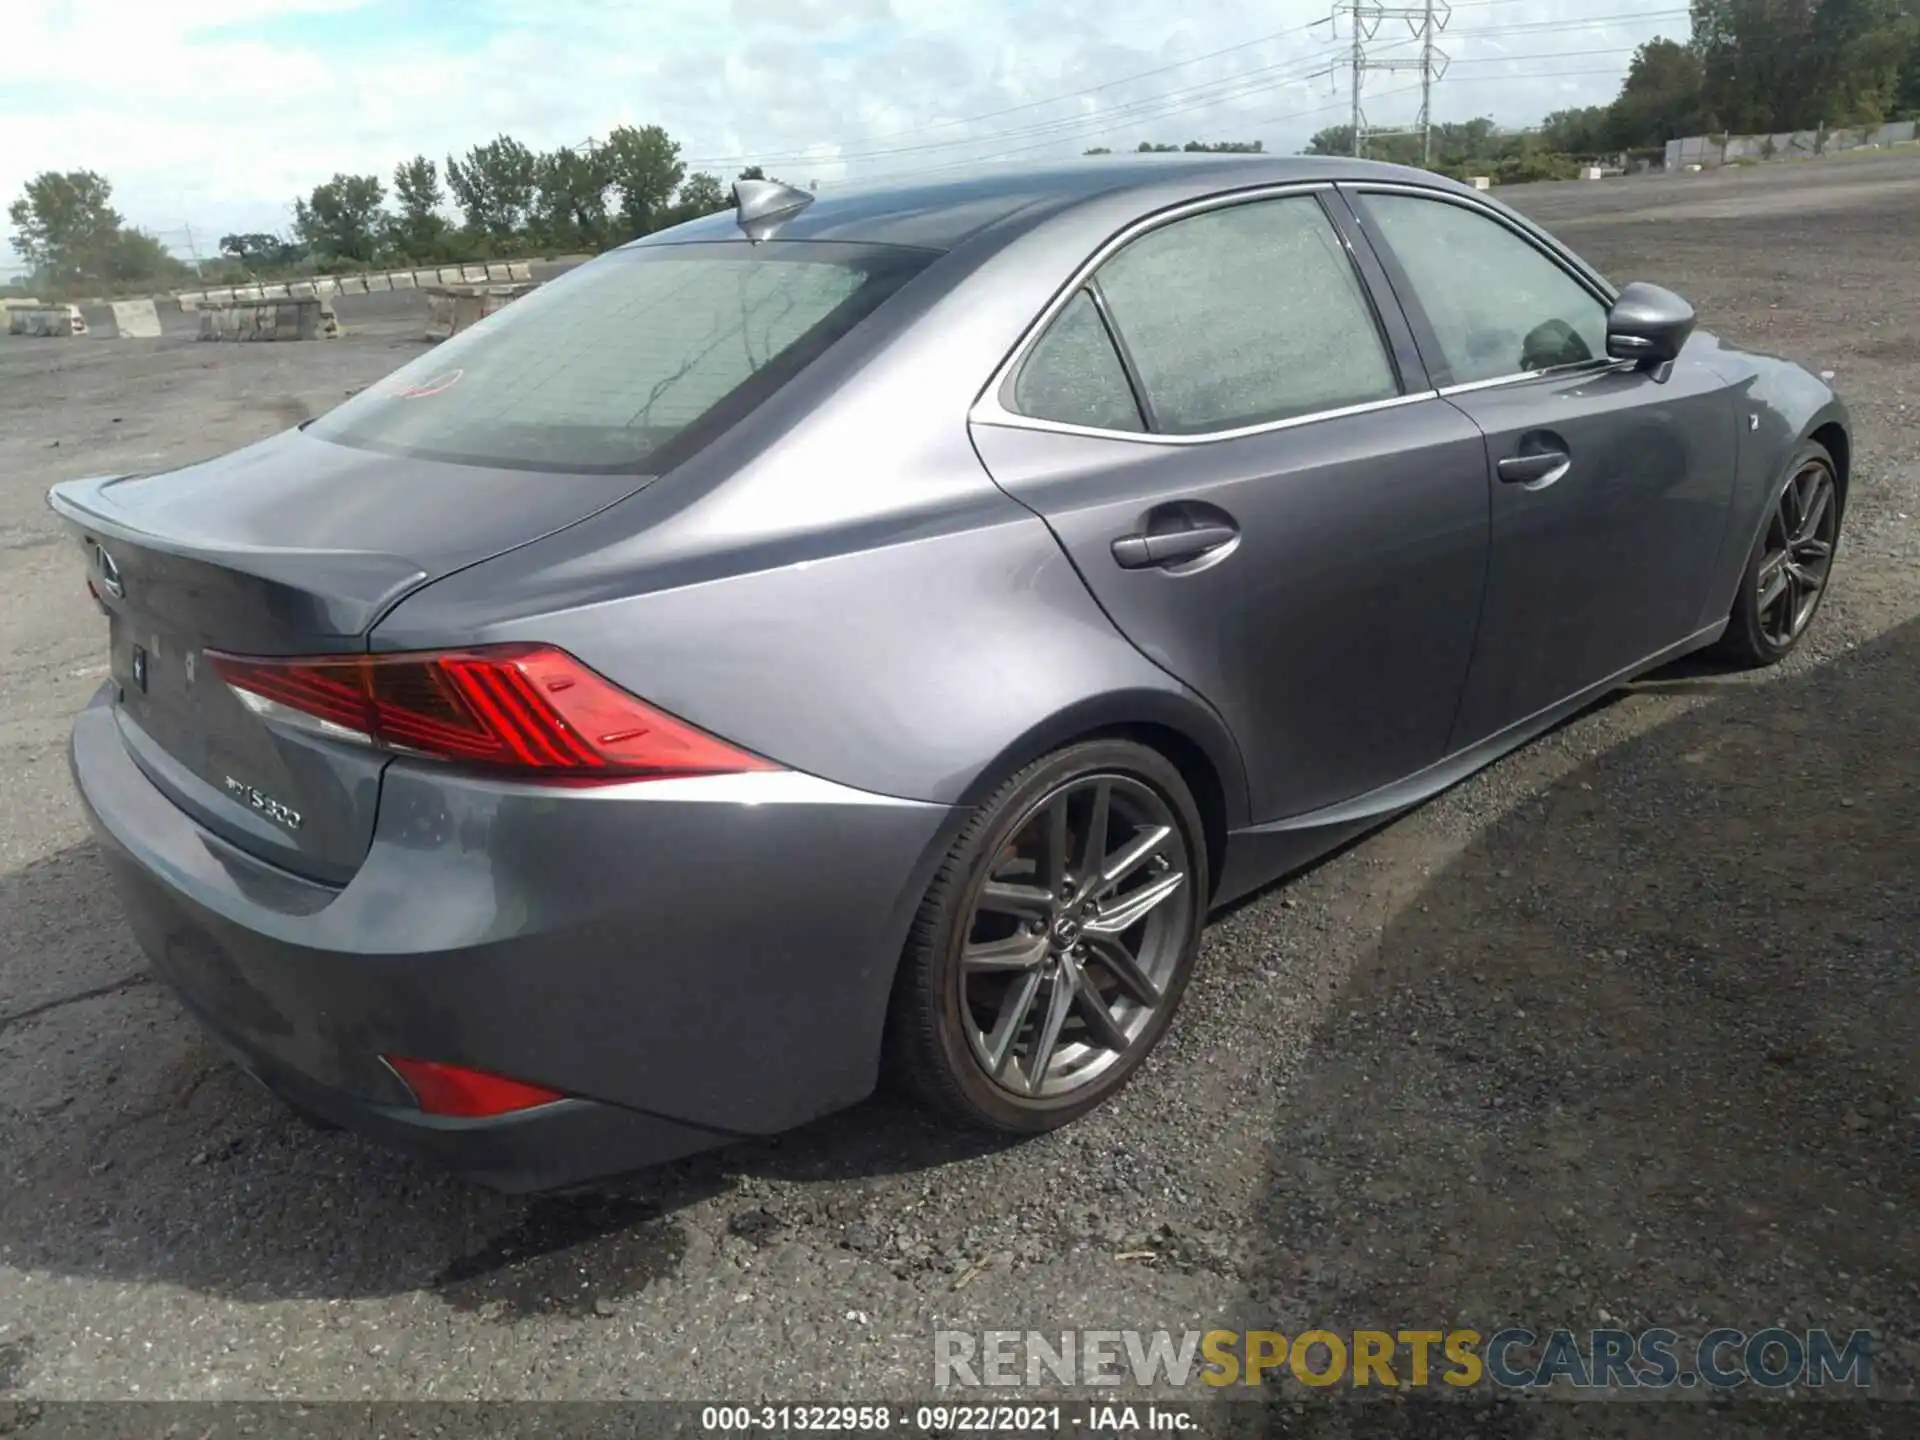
(215, 113)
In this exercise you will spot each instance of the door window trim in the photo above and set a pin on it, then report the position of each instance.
(990, 409)
(1426, 337)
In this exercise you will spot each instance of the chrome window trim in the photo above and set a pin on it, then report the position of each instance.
(1009, 420)
(988, 410)
(1522, 377)
(1576, 269)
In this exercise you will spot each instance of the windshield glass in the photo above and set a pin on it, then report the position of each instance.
(627, 364)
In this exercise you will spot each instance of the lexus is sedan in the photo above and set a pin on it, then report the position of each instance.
(869, 632)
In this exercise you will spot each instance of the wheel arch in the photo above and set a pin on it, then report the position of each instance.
(1832, 434)
(1194, 740)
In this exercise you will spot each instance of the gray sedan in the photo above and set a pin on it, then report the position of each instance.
(875, 629)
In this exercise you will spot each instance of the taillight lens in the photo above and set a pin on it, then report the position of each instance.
(531, 709)
(442, 1089)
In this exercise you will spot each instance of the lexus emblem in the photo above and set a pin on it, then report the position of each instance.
(109, 572)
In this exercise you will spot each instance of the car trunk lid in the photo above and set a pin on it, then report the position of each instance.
(294, 546)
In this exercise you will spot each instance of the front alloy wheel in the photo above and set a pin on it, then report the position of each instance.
(1050, 953)
(1789, 571)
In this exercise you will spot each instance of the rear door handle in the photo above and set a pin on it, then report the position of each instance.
(1172, 547)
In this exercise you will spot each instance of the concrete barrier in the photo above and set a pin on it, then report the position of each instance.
(302, 290)
(192, 300)
(44, 321)
(498, 273)
(1482, 182)
(374, 284)
(136, 319)
(423, 278)
(308, 318)
(450, 275)
(474, 275)
(519, 270)
(452, 308)
(275, 292)
(401, 280)
(351, 285)
(1592, 172)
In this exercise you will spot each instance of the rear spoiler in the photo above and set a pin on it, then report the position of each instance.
(260, 596)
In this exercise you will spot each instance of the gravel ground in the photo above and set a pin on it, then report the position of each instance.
(1624, 1027)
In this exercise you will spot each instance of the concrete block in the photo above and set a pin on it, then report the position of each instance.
(302, 290)
(474, 274)
(498, 272)
(326, 285)
(1591, 172)
(43, 321)
(275, 292)
(352, 285)
(376, 284)
(136, 319)
(519, 270)
(427, 277)
(191, 301)
(451, 276)
(401, 280)
(1482, 182)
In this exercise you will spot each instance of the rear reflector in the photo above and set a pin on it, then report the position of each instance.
(469, 1094)
(530, 709)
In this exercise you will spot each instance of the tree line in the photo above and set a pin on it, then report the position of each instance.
(1750, 67)
(511, 201)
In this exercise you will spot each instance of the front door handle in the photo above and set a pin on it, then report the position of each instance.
(1172, 547)
(1535, 469)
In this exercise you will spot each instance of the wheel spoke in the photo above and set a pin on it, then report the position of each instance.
(1008, 1024)
(1123, 915)
(1030, 902)
(1804, 578)
(1059, 1004)
(1812, 551)
(1773, 582)
(1102, 1028)
(1815, 513)
(1054, 867)
(1016, 952)
(1143, 849)
(1093, 844)
(1114, 957)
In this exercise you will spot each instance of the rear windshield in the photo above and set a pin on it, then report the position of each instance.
(630, 363)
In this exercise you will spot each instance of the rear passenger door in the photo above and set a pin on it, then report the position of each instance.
(1243, 457)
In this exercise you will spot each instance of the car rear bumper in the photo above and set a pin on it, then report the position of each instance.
(693, 960)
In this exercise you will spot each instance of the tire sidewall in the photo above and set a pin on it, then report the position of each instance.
(999, 1107)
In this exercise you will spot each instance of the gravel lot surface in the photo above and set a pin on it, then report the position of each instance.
(1624, 1027)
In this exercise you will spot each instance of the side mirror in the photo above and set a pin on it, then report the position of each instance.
(1648, 325)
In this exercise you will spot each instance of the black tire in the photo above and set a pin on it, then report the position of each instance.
(928, 1044)
(1751, 642)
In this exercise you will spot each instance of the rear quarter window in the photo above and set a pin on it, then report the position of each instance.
(629, 363)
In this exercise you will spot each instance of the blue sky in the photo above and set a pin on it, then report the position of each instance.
(214, 114)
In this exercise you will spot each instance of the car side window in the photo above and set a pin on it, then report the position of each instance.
(1246, 315)
(1497, 305)
(1074, 375)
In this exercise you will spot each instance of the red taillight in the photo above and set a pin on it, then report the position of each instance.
(470, 1094)
(531, 709)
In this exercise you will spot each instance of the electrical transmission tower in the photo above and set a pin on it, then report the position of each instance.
(1427, 20)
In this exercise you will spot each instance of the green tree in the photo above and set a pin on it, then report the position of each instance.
(644, 170)
(700, 194)
(418, 230)
(1097, 150)
(570, 204)
(140, 259)
(1660, 98)
(752, 172)
(64, 227)
(495, 188)
(259, 251)
(341, 219)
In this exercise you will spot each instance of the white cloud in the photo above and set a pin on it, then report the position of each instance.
(198, 122)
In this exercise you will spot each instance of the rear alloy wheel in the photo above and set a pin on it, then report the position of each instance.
(1056, 941)
(1787, 574)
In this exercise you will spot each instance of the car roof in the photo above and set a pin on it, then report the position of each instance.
(939, 211)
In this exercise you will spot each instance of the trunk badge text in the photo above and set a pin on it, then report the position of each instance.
(265, 804)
